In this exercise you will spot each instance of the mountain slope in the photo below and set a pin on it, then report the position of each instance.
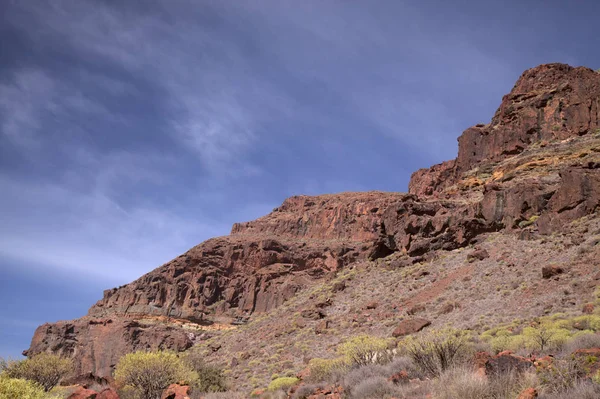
(525, 188)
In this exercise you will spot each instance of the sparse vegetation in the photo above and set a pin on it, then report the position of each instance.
(436, 351)
(149, 373)
(45, 369)
(282, 383)
(13, 388)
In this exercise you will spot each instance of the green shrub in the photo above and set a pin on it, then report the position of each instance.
(437, 351)
(322, 369)
(283, 383)
(152, 372)
(46, 369)
(364, 349)
(16, 388)
(209, 378)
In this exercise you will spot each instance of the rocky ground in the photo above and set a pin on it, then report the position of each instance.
(508, 230)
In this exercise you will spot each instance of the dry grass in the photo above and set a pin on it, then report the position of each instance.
(501, 289)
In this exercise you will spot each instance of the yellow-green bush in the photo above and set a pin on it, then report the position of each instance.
(283, 383)
(438, 350)
(46, 369)
(151, 372)
(209, 378)
(550, 332)
(321, 369)
(365, 349)
(17, 388)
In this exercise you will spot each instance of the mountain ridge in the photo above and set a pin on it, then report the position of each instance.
(532, 170)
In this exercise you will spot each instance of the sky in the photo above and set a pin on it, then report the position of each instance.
(131, 131)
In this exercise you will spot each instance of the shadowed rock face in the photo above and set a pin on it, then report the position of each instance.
(98, 344)
(535, 166)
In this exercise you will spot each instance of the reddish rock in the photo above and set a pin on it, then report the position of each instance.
(175, 391)
(99, 345)
(551, 271)
(314, 314)
(543, 362)
(83, 393)
(529, 393)
(548, 103)
(416, 309)
(588, 308)
(507, 362)
(108, 393)
(330, 392)
(478, 254)
(372, 305)
(322, 327)
(400, 378)
(501, 179)
(410, 326)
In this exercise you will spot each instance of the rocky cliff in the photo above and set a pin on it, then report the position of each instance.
(533, 168)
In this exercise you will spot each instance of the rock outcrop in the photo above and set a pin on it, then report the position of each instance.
(535, 166)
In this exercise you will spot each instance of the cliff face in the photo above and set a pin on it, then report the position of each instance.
(548, 103)
(536, 165)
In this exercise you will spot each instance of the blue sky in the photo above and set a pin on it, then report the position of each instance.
(131, 131)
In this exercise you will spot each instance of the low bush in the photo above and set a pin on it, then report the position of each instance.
(324, 369)
(550, 333)
(358, 375)
(209, 378)
(45, 369)
(282, 383)
(225, 395)
(562, 375)
(373, 388)
(17, 388)
(585, 340)
(461, 383)
(305, 390)
(580, 390)
(365, 349)
(436, 351)
(149, 373)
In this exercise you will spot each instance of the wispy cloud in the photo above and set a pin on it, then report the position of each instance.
(22, 100)
(215, 107)
(88, 232)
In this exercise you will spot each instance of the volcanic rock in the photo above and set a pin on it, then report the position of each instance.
(551, 271)
(410, 326)
(175, 391)
(536, 165)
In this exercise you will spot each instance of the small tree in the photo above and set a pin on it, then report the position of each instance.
(541, 336)
(150, 373)
(437, 351)
(46, 369)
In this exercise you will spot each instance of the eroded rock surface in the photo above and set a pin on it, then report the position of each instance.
(533, 168)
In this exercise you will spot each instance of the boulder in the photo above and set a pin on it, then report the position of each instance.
(108, 393)
(175, 391)
(478, 254)
(551, 271)
(529, 393)
(83, 393)
(410, 326)
(505, 362)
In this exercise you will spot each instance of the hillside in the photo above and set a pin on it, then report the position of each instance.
(508, 230)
